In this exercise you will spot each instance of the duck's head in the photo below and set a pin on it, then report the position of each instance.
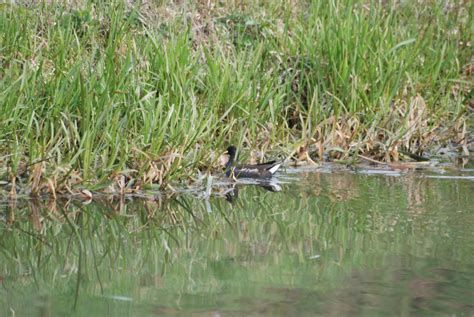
(231, 151)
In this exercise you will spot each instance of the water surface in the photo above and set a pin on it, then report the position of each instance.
(318, 243)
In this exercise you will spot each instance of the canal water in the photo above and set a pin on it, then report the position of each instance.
(323, 242)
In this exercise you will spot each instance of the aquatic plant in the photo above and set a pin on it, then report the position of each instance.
(117, 97)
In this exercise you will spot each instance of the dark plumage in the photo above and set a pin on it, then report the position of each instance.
(262, 170)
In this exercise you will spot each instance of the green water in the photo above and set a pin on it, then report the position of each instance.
(338, 244)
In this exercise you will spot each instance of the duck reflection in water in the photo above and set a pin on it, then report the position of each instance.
(231, 192)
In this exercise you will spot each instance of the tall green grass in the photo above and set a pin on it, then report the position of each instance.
(157, 92)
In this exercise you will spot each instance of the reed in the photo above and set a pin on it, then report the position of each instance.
(109, 96)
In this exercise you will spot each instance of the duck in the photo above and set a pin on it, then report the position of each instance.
(262, 170)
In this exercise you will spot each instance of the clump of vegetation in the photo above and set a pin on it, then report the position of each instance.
(114, 96)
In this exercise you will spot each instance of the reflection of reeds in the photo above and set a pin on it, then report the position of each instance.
(143, 247)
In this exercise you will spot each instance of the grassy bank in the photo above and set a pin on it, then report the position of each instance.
(96, 95)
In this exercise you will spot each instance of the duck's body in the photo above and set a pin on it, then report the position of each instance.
(262, 170)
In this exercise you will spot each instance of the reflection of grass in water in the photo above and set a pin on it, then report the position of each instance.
(147, 250)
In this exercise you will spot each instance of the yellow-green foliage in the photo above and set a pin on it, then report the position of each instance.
(100, 89)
